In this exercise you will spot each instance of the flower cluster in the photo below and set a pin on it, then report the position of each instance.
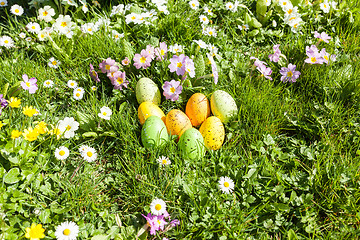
(315, 56)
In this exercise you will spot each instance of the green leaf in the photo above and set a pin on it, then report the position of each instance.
(90, 134)
(292, 235)
(12, 176)
(45, 216)
(255, 23)
(100, 237)
(261, 8)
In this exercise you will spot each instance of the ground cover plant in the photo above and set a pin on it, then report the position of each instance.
(73, 161)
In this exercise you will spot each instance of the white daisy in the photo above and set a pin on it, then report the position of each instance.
(62, 153)
(201, 43)
(94, 88)
(83, 148)
(63, 24)
(208, 11)
(33, 27)
(230, 6)
(48, 84)
(67, 231)
(88, 28)
(158, 207)
(116, 35)
(22, 35)
(16, 10)
(163, 161)
(243, 27)
(210, 31)
(3, 3)
(53, 63)
(68, 126)
(78, 95)
(131, 17)
(6, 41)
(72, 84)
(89, 154)
(46, 13)
(194, 4)
(105, 113)
(28, 39)
(226, 184)
(325, 6)
(176, 48)
(42, 35)
(203, 19)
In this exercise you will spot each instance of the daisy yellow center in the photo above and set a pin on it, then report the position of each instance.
(313, 59)
(226, 184)
(33, 27)
(63, 24)
(289, 74)
(47, 83)
(211, 33)
(2, 3)
(230, 6)
(164, 161)
(45, 13)
(62, 153)
(77, 94)
(17, 10)
(142, 59)
(193, 5)
(133, 17)
(28, 84)
(89, 29)
(107, 67)
(42, 36)
(179, 64)
(325, 5)
(53, 62)
(120, 80)
(89, 154)
(284, 3)
(116, 36)
(175, 49)
(172, 90)
(68, 127)
(66, 232)
(290, 11)
(204, 19)
(6, 41)
(104, 113)
(326, 57)
(158, 207)
(72, 84)
(244, 27)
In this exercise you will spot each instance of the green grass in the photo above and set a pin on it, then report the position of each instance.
(292, 149)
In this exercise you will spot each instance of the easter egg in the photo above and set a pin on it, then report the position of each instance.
(213, 132)
(153, 132)
(191, 144)
(177, 122)
(197, 109)
(223, 105)
(147, 109)
(147, 91)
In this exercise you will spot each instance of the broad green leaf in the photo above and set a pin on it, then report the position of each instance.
(12, 176)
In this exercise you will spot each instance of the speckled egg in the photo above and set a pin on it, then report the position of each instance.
(177, 122)
(197, 109)
(147, 91)
(191, 144)
(213, 132)
(223, 105)
(153, 132)
(147, 109)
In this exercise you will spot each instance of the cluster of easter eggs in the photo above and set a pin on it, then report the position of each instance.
(157, 127)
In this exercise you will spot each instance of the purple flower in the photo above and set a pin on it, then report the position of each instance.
(257, 62)
(156, 223)
(314, 56)
(93, 74)
(119, 80)
(161, 51)
(323, 36)
(29, 84)
(175, 222)
(289, 74)
(108, 65)
(172, 90)
(151, 51)
(265, 71)
(275, 57)
(142, 60)
(324, 55)
(3, 102)
(190, 67)
(177, 64)
(125, 62)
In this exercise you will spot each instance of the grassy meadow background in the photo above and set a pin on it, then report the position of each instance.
(292, 150)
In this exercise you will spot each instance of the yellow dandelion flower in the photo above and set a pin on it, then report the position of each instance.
(15, 134)
(30, 134)
(29, 111)
(14, 102)
(35, 232)
(41, 127)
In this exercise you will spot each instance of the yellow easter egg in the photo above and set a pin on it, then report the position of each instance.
(213, 132)
(147, 109)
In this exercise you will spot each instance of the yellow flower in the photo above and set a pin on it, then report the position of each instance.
(30, 134)
(57, 132)
(1, 124)
(41, 127)
(35, 232)
(14, 102)
(15, 134)
(29, 111)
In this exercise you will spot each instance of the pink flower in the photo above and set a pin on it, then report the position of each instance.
(119, 80)
(276, 56)
(125, 62)
(156, 223)
(142, 60)
(265, 71)
(323, 36)
(161, 51)
(177, 64)
(93, 74)
(257, 62)
(150, 49)
(172, 90)
(289, 74)
(190, 67)
(314, 56)
(29, 84)
(108, 65)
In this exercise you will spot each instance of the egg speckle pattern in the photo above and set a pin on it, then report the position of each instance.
(223, 105)
(191, 144)
(147, 109)
(147, 91)
(177, 122)
(197, 109)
